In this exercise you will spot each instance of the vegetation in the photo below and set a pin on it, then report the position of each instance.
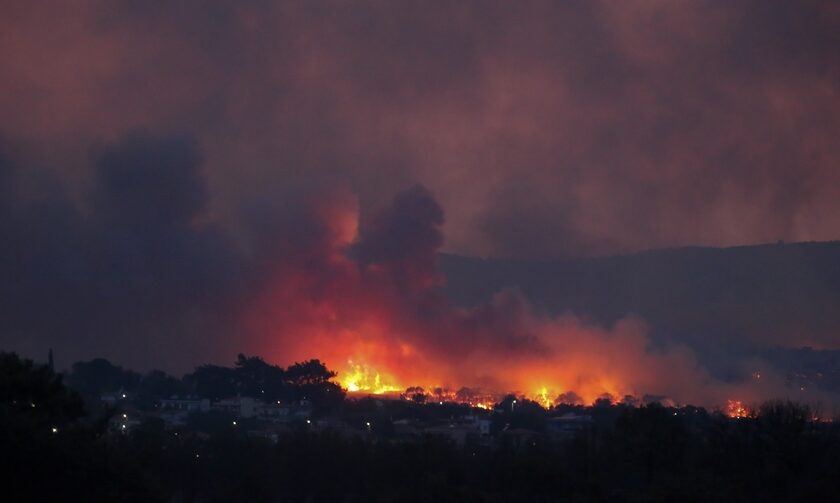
(651, 453)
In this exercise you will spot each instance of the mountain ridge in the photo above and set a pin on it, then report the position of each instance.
(724, 303)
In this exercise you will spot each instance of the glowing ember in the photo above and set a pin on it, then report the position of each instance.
(736, 409)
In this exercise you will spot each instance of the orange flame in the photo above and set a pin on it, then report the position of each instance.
(735, 409)
(387, 321)
(362, 378)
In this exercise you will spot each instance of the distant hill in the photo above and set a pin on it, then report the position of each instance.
(753, 298)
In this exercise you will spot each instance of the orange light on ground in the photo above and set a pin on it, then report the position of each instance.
(736, 409)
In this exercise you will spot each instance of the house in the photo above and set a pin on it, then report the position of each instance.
(187, 404)
(175, 409)
(239, 406)
(274, 412)
(112, 398)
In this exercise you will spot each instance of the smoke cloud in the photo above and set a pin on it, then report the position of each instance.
(373, 309)
(255, 210)
(548, 129)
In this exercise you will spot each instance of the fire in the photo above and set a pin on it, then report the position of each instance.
(542, 398)
(362, 378)
(370, 295)
(736, 409)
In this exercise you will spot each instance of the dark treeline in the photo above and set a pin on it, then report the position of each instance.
(250, 376)
(52, 450)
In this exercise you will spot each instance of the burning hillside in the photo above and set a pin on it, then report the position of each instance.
(365, 297)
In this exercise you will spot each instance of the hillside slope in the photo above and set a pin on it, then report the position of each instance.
(753, 297)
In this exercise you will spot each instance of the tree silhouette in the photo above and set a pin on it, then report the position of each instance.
(34, 396)
(257, 378)
(213, 381)
(308, 372)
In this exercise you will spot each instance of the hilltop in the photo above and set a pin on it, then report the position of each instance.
(756, 298)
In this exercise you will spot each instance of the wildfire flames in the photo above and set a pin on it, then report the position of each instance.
(364, 380)
(736, 409)
(365, 297)
(361, 378)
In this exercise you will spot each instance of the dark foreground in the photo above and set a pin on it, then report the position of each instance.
(52, 452)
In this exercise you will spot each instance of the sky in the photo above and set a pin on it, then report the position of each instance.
(543, 128)
(159, 160)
